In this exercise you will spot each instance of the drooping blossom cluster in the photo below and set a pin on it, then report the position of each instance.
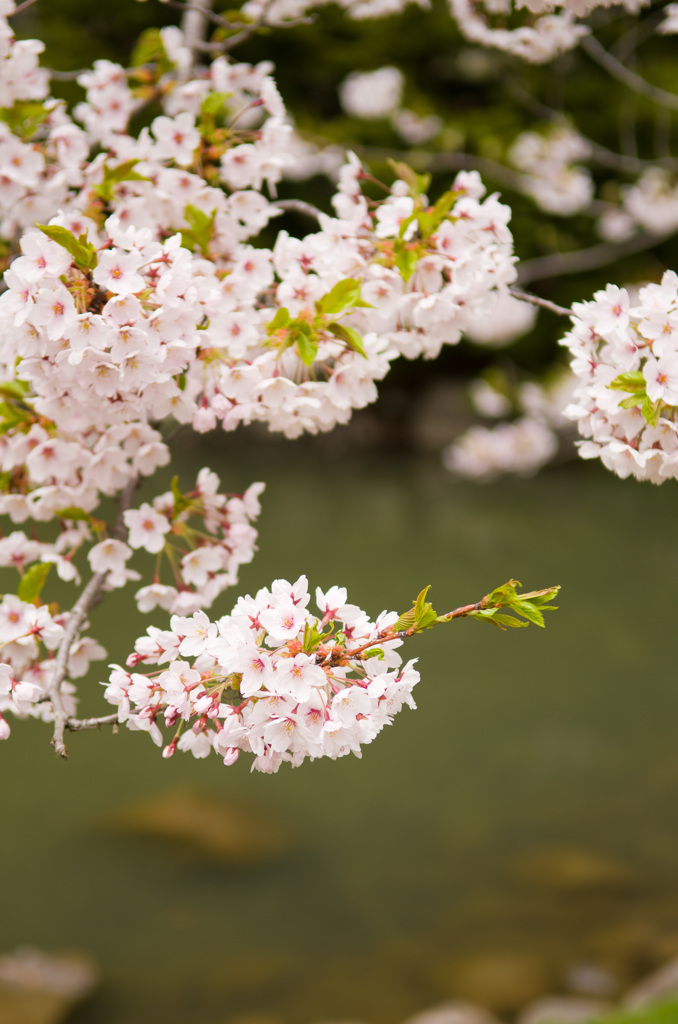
(202, 560)
(271, 678)
(625, 358)
(553, 31)
(29, 637)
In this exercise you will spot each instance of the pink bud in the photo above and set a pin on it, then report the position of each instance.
(231, 755)
(4, 729)
(169, 750)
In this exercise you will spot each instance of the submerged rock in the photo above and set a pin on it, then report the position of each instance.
(564, 1010)
(453, 1013)
(572, 868)
(589, 979)
(43, 988)
(207, 825)
(502, 981)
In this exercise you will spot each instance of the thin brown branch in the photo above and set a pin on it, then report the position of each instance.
(77, 724)
(299, 206)
(629, 78)
(22, 7)
(536, 300)
(89, 598)
(194, 26)
(601, 155)
(579, 260)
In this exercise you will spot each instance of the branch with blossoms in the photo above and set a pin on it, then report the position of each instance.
(138, 300)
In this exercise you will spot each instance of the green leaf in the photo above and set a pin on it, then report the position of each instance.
(430, 220)
(214, 103)
(201, 225)
(150, 49)
(73, 512)
(344, 295)
(33, 581)
(416, 183)
(115, 176)
(83, 252)
(280, 320)
(406, 621)
(406, 261)
(25, 117)
(650, 411)
(349, 336)
(374, 652)
(406, 223)
(307, 345)
(633, 381)
(632, 401)
(17, 389)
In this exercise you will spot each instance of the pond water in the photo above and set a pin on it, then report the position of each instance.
(528, 808)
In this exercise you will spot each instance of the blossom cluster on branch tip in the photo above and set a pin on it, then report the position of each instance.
(271, 678)
(625, 358)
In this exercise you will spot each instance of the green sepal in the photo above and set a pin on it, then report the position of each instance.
(181, 503)
(83, 252)
(32, 581)
(349, 336)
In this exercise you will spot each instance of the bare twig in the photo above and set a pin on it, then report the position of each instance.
(579, 260)
(536, 300)
(299, 206)
(21, 7)
(629, 78)
(194, 26)
(89, 598)
(599, 154)
(76, 724)
(248, 30)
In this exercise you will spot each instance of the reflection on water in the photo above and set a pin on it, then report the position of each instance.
(525, 810)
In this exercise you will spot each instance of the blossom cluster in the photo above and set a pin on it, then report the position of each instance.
(554, 178)
(625, 359)
(29, 637)
(553, 31)
(271, 678)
